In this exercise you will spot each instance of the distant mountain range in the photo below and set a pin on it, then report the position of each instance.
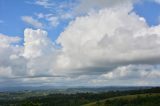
(65, 89)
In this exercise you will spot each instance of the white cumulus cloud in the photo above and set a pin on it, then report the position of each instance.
(6, 40)
(111, 37)
(36, 43)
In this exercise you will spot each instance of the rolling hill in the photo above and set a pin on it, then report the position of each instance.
(148, 99)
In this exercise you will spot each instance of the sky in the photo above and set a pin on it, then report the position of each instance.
(79, 43)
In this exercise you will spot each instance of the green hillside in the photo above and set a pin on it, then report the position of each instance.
(148, 99)
(141, 97)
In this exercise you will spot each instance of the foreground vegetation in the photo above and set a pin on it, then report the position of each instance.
(151, 99)
(146, 97)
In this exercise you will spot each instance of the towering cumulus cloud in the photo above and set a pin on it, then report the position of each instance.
(111, 37)
(38, 50)
(105, 41)
(36, 43)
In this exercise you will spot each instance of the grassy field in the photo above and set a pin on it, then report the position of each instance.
(150, 99)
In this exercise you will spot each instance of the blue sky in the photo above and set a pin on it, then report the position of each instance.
(150, 11)
(12, 11)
